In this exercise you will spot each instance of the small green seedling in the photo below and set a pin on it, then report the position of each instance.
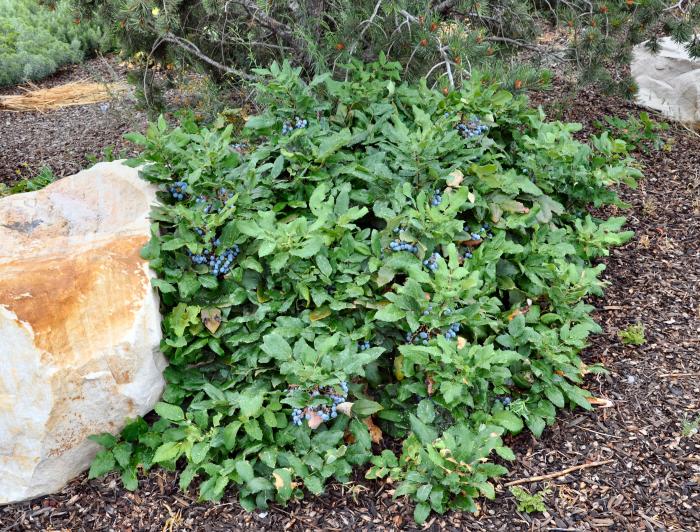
(633, 335)
(529, 502)
(690, 428)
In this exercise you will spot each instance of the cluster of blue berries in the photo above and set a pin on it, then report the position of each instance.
(420, 337)
(398, 245)
(478, 234)
(431, 262)
(221, 264)
(399, 230)
(299, 123)
(178, 190)
(326, 412)
(451, 333)
(437, 198)
(428, 310)
(224, 194)
(505, 401)
(202, 200)
(239, 146)
(364, 345)
(472, 129)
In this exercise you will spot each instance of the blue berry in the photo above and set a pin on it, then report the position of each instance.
(472, 129)
(431, 262)
(363, 346)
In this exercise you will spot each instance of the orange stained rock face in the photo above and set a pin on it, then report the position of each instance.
(52, 295)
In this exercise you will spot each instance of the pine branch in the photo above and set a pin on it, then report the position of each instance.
(280, 29)
(190, 47)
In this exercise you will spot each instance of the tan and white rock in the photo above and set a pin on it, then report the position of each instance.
(79, 324)
(669, 81)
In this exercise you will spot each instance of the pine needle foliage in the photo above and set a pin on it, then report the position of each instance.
(36, 38)
(446, 40)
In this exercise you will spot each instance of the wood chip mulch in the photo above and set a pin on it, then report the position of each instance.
(653, 481)
(65, 139)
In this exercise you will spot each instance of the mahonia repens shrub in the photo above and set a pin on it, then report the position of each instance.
(311, 280)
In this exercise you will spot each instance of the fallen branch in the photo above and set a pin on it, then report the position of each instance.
(557, 474)
(696, 374)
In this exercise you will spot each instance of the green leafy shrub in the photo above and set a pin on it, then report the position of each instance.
(36, 39)
(367, 255)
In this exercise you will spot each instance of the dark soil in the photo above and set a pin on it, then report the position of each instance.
(653, 481)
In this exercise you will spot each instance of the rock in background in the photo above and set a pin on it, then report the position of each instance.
(668, 81)
(79, 324)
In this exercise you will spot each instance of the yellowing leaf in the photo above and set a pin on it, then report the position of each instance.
(374, 431)
(262, 298)
(455, 179)
(345, 408)
(320, 313)
(398, 368)
(600, 401)
(279, 483)
(315, 421)
(211, 317)
(461, 342)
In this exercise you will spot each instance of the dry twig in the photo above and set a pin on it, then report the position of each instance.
(558, 473)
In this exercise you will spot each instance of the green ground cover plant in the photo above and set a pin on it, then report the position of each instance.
(36, 38)
(633, 334)
(528, 502)
(29, 184)
(368, 258)
(643, 133)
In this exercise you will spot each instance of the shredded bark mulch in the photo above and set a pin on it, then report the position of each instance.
(62, 140)
(652, 481)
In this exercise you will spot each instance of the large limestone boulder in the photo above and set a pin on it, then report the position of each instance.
(669, 81)
(79, 324)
